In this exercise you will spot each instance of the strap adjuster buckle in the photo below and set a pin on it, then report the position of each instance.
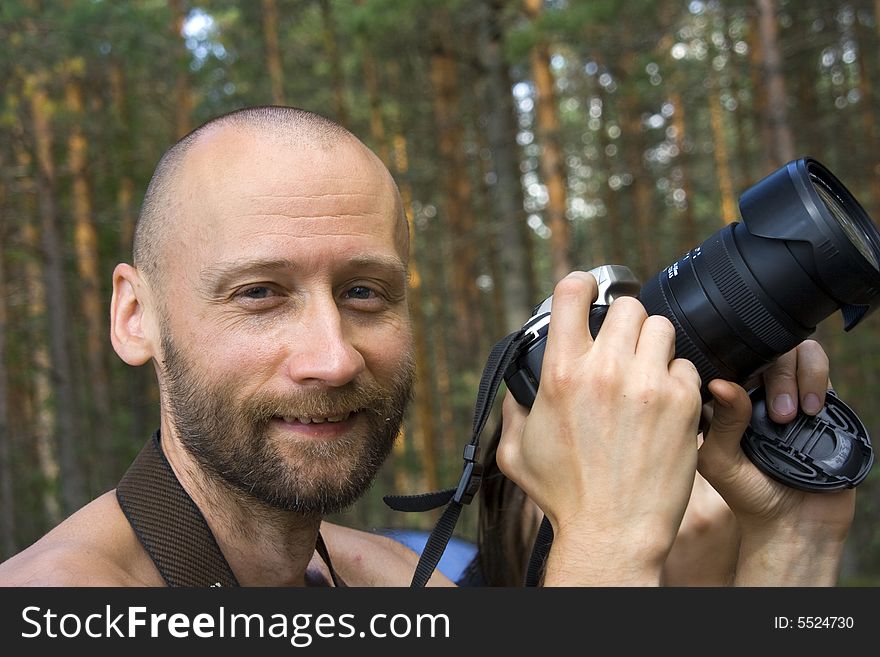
(471, 476)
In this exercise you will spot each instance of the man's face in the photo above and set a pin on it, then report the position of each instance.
(285, 336)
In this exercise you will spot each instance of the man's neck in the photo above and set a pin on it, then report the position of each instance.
(264, 546)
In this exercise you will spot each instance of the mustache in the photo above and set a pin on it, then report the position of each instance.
(363, 395)
(323, 402)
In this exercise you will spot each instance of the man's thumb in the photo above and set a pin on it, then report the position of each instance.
(731, 414)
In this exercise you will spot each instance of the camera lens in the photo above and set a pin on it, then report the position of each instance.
(755, 289)
(847, 221)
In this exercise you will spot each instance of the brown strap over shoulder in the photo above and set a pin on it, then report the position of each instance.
(169, 524)
(172, 529)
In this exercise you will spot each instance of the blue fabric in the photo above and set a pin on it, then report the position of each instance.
(456, 557)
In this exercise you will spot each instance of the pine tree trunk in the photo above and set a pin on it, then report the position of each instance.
(43, 409)
(377, 122)
(489, 249)
(141, 393)
(719, 141)
(552, 158)
(458, 207)
(424, 433)
(7, 493)
(92, 306)
(688, 235)
(512, 233)
(610, 198)
(643, 197)
(182, 92)
(743, 139)
(437, 393)
(332, 48)
(774, 80)
(634, 148)
(760, 100)
(273, 52)
(125, 191)
(870, 133)
(67, 431)
(810, 126)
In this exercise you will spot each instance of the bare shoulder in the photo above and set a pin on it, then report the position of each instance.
(63, 563)
(93, 547)
(366, 559)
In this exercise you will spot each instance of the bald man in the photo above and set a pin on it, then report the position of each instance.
(269, 289)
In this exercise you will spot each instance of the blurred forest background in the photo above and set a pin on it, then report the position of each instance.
(529, 137)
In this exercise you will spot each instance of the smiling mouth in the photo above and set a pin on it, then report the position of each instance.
(291, 419)
(337, 419)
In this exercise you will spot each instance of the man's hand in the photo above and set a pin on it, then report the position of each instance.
(798, 378)
(707, 545)
(789, 537)
(608, 450)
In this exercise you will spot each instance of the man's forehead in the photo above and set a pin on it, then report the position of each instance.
(243, 172)
(244, 187)
(234, 154)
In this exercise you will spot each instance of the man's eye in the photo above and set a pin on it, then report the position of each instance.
(360, 292)
(256, 292)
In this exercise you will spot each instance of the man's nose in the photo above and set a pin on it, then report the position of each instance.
(321, 350)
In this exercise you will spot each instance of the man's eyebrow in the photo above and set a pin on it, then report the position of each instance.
(220, 274)
(392, 264)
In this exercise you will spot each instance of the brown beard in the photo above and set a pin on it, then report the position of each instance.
(231, 440)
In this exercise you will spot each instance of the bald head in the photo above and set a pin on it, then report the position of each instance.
(165, 201)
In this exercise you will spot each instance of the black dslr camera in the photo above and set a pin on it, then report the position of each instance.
(749, 293)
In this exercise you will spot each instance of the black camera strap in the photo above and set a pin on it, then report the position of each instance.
(540, 549)
(499, 359)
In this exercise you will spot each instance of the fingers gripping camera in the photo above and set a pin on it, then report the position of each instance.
(523, 375)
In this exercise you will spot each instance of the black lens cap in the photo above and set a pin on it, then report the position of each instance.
(826, 452)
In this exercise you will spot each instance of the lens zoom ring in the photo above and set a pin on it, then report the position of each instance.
(684, 347)
(744, 303)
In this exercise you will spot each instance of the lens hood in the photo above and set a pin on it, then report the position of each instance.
(805, 204)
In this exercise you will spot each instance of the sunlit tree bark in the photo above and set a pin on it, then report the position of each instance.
(273, 52)
(512, 234)
(870, 132)
(458, 202)
(782, 146)
(645, 233)
(67, 429)
(395, 158)
(183, 101)
(760, 100)
(688, 235)
(125, 192)
(94, 310)
(7, 495)
(332, 47)
(42, 406)
(552, 157)
(610, 198)
(719, 151)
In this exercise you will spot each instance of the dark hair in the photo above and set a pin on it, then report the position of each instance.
(504, 537)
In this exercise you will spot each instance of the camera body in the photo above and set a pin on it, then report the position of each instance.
(524, 373)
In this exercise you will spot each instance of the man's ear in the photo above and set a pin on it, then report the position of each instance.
(130, 317)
